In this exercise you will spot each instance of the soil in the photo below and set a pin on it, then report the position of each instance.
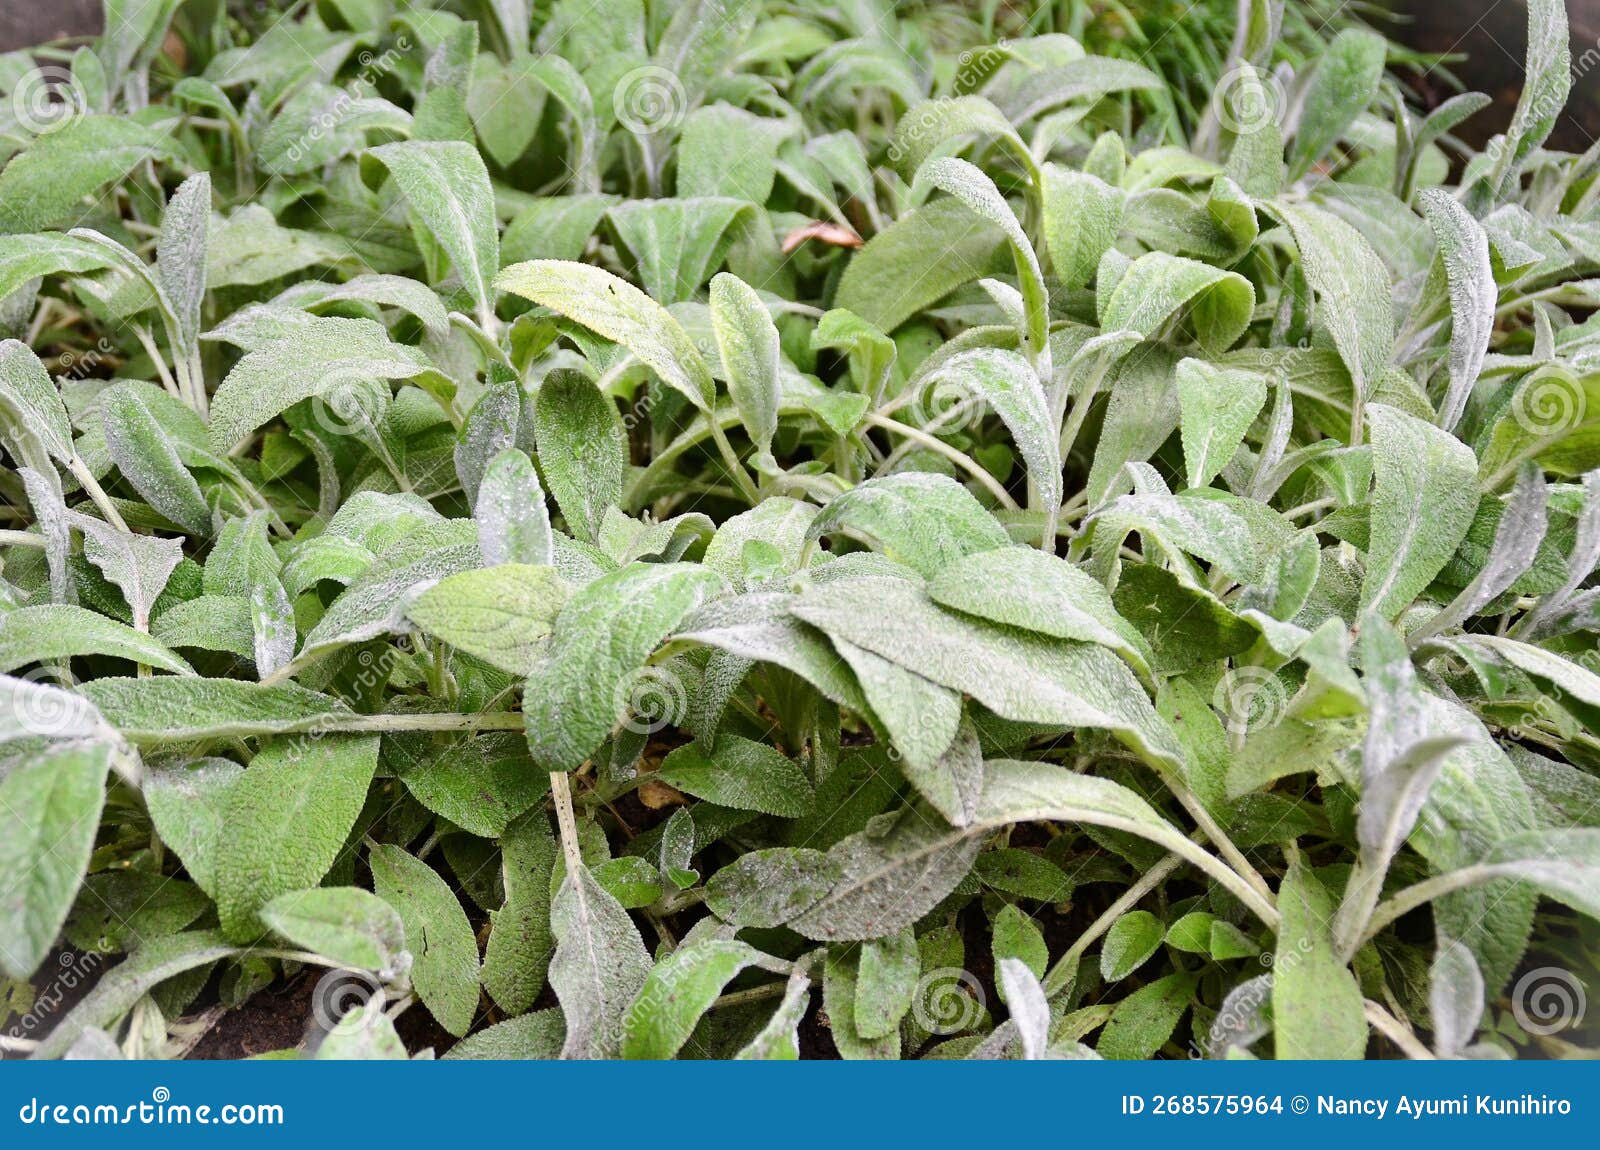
(816, 1039)
(277, 1018)
(53, 996)
(274, 1019)
(1492, 36)
(25, 23)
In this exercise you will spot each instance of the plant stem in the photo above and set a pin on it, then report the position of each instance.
(377, 724)
(1219, 838)
(1424, 892)
(92, 487)
(479, 721)
(561, 790)
(147, 342)
(731, 459)
(681, 900)
(1395, 1031)
(943, 419)
(753, 994)
(1236, 885)
(306, 957)
(1080, 412)
(180, 370)
(960, 458)
(1310, 508)
(197, 380)
(1058, 976)
(1362, 890)
(669, 941)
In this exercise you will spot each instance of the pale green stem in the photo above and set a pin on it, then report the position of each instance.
(197, 380)
(1517, 303)
(933, 425)
(1219, 838)
(1080, 407)
(561, 790)
(682, 900)
(92, 487)
(1419, 894)
(1052, 523)
(960, 458)
(1395, 1031)
(180, 371)
(754, 994)
(1057, 977)
(1235, 884)
(41, 317)
(1310, 508)
(147, 341)
(376, 724)
(479, 721)
(730, 458)
(1362, 891)
(260, 501)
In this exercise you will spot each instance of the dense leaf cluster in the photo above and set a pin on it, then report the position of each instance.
(734, 529)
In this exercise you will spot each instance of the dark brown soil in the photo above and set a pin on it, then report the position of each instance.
(274, 1019)
(26, 23)
(1492, 35)
(53, 996)
(816, 1040)
(277, 1019)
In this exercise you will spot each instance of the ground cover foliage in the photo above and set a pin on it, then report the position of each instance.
(736, 529)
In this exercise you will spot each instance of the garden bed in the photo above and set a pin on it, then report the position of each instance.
(724, 529)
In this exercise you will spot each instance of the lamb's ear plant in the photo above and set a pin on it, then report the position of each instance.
(776, 531)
